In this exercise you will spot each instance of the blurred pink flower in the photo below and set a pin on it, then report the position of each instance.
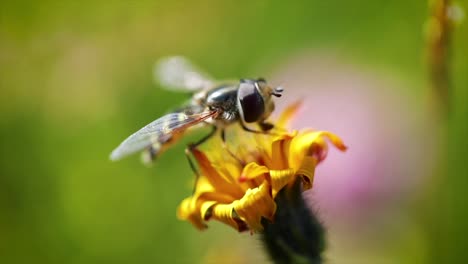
(381, 122)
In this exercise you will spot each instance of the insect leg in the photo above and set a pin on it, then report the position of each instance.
(225, 146)
(265, 126)
(192, 146)
(189, 149)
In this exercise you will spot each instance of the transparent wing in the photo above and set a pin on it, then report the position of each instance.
(178, 73)
(160, 131)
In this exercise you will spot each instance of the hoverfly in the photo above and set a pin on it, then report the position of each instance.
(212, 104)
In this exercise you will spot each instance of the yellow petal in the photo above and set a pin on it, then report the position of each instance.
(202, 185)
(252, 170)
(206, 209)
(198, 208)
(307, 171)
(255, 204)
(225, 213)
(311, 143)
(336, 141)
(219, 183)
(287, 115)
(217, 197)
(185, 212)
(278, 156)
(280, 178)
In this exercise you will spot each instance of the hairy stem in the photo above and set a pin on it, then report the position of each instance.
(296, 235)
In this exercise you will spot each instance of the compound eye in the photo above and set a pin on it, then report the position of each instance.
(251, 102)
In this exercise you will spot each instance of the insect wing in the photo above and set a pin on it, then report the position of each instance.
(178, 73)
(160, 130)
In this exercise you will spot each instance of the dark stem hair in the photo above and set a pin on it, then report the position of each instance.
(296, 235)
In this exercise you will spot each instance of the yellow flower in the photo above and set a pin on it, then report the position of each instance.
(240, 192)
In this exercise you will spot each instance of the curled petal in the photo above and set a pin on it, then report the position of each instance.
(307, 171)
(196, 208)
(225, 213)
(252, 170)
(280, 178)
(255, 204)
(302, 146)
(206, 209)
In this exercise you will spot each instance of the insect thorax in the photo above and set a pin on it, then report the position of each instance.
(224, 99)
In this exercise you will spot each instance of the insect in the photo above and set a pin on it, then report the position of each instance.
(215, 104)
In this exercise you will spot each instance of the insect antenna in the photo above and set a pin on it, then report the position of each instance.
(277, 91)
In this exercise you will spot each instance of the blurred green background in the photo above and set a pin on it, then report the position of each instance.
(76, 78)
